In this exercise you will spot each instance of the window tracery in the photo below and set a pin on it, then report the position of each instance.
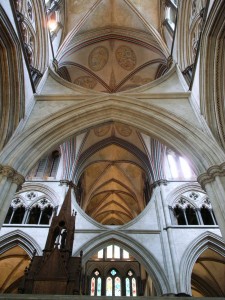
(22, 212)
(185, 213)
(113, 252)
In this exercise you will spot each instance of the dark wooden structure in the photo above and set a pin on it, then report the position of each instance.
(56, 272)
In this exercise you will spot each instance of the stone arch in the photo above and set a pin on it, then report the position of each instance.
(212, 72)
(207, 240)
(146, 258)
(19, 238)
(29, 146)
(12, 104)
(48, 191)
(176, 193)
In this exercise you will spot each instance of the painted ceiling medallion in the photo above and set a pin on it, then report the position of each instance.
(98, 58)
(86, 82)
(126, 57)
(123, 130)
(101, 131)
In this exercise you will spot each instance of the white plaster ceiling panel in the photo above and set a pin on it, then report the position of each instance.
(114, 13)
(149, 11)
(76, 11)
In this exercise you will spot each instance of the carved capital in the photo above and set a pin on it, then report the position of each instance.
(9, 172)
(18, 179)
(211, 174)
(159, 182)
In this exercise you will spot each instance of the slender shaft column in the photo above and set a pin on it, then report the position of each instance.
(169, 244)
(213, 181)
(10, 180)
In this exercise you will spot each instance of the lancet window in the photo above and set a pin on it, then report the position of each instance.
(179, 167)
(113, 252)
(131, 284)
(46, 167)
(96, 284)
(170, 14)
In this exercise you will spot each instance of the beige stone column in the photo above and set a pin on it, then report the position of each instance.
(213, 182)
(10, 181)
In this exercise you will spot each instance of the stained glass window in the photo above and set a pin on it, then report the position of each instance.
(99, 286)
(131, 284)
(92, 286)
(134, 287)
(117, 286)
(127, 287)
(108, 286)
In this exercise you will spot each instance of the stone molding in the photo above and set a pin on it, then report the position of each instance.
(10, 173)
(211, 174)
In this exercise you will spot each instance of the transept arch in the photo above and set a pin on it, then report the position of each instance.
(146, 258)
(29, 146)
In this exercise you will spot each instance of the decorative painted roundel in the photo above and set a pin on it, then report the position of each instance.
(101, 131)
(126, 57)
(86, 82)
(98, 58)
(123, 130)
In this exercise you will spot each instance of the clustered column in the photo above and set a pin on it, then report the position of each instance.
(10, 181)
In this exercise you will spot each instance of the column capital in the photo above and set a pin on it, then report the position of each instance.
(12, 174)
(210, 174)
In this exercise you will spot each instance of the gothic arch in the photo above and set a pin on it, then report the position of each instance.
(12, 96)
(144, 257)
(212, 72)
(176, 193)
(19, 238)
(207, 240)
(49, 192)
(29, 146)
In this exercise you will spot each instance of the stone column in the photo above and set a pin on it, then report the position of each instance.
(10, 181)
(213, 182)
(169, 244)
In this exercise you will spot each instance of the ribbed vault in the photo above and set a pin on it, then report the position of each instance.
(113, 45)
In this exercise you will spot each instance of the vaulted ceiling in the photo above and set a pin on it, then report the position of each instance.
(112, 45)
(113, 172)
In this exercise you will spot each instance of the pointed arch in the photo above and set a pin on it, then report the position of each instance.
(212, 71)
(19, 238)
(207, 240)
(146, 258)
(12, 103)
